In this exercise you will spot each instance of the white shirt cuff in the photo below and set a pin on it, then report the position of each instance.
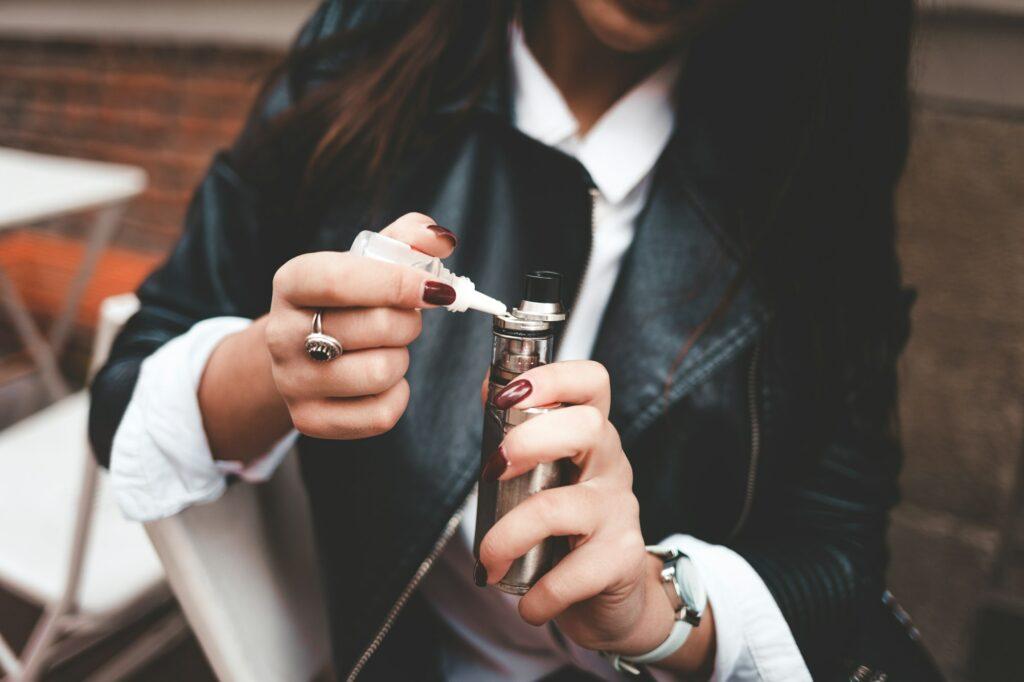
(753, 639)
(160, 462)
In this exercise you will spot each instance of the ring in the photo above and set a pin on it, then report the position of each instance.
(319, 346)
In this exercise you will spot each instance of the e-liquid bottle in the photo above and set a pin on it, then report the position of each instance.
(383, 248)
(522, 340)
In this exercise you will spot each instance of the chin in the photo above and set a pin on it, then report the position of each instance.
(642, 25)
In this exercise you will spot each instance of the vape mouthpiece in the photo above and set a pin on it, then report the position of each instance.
(542, 297)
(542, 286)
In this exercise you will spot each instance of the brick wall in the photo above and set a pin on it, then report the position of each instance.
(165, 109)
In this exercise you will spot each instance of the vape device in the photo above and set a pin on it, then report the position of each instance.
(523, 339)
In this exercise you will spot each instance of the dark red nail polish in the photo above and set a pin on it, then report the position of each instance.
(495, 466)
(444, 233)
(512, 394)
(480, 575)
(438, 293)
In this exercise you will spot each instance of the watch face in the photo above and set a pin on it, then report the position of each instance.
(691, 590)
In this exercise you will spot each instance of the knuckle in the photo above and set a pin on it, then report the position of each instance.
(545, 506)
(401, 361)
(385, 419)
(396, 286)
(415, 326)
(601, 373)
(287, 384)
(623, 470)
(628, 545)
(592, 496)
(274, 336)
(283, 275)
(389, 411)
(307, 421)
(636, 543)
(491, 548)
(409, 285)
(631, 505)
(381, 323)
(592, 421)
(627, 473)
(394, 327)
(553, 590)
(377, 368)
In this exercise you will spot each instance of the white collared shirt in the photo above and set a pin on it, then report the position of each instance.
(161, 461)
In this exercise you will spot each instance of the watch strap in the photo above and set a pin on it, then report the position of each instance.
(686, 616)
(676, 638)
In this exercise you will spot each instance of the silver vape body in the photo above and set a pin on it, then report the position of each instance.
(522, 340)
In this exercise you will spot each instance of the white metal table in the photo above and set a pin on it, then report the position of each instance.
(37, 187)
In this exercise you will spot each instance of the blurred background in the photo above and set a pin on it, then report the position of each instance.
(161, 86)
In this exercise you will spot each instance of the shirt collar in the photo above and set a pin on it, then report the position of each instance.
(622, 147)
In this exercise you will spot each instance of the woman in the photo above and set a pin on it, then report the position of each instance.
(713, 178)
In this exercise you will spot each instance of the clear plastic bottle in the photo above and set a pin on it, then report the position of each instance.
(380, 247)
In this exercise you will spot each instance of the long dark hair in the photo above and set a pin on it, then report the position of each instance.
(809, 97)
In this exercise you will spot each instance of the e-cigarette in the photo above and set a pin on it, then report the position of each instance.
(523, 339)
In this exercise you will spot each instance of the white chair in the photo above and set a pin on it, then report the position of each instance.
(37, 187)
(63, 542)
(244, 571)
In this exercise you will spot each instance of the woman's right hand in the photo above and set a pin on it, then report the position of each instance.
(372, 308)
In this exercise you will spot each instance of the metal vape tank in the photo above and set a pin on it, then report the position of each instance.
(522, 340)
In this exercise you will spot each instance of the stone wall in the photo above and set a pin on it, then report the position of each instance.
(962, 379)
(961, 211)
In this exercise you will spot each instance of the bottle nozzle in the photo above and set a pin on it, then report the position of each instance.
(466, 296)
(486, 304)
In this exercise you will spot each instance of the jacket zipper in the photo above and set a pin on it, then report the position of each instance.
(755, 439)
(403, 597)
(453, 523)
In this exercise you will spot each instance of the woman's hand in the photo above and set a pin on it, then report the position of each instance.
(260, 382)
(372, 307)
(606, 594)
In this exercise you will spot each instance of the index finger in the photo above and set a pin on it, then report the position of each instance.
(422, 233)
(331, 279)
(577, 382)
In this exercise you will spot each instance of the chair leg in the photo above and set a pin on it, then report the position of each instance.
(49, 626)
(36, 651)
(9, 662)
(36, 345)
(104, 226)
(161, 637)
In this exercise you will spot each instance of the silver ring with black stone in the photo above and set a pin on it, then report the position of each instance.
(319, 346)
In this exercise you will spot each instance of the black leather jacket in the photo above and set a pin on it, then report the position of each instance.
(724, 454)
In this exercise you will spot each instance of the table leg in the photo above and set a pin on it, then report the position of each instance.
(35, 343)
(104, 226)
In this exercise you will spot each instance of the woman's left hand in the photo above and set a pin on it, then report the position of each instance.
(605, 595)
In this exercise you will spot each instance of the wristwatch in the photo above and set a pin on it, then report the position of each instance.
(685, 591)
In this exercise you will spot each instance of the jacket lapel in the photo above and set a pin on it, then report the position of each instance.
(676, 272)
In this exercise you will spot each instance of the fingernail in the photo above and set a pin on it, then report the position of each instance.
(444, 233)
(438, 293)
(512, 394)
(495, 466)
(480, 575)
